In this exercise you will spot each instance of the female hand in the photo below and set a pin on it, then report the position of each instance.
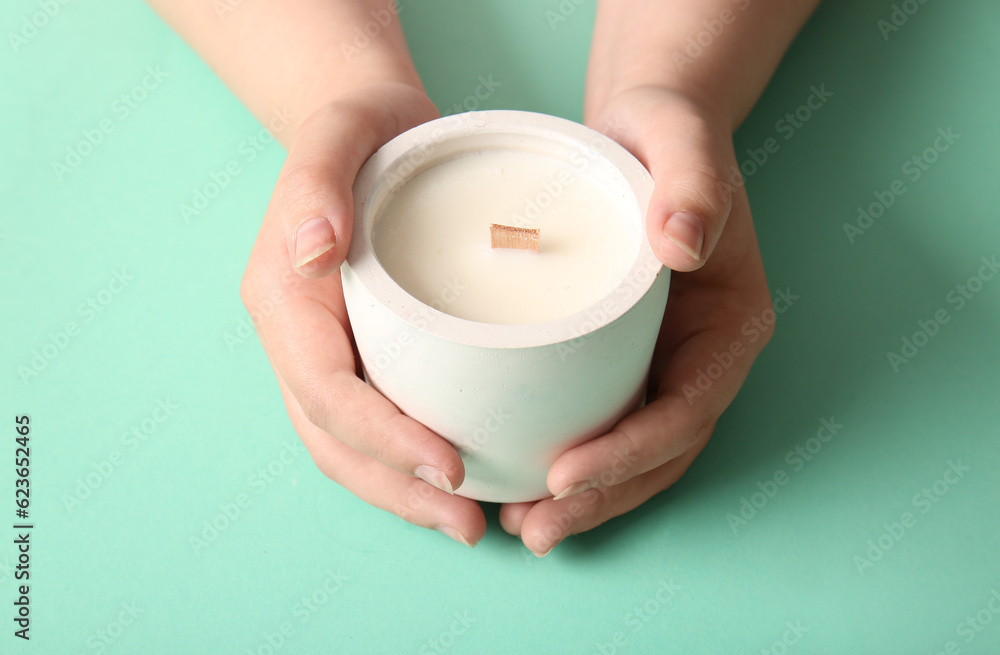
(355, 435)
(699, 225)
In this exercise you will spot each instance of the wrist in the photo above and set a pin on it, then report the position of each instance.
(386, 107)
(392, 93)
(712, 105)
(719, 54)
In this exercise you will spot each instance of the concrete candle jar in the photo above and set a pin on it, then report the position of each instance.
(502, 290)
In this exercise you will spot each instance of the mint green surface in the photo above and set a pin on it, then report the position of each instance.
(674, 576)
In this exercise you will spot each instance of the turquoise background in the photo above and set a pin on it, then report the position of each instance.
(678, 575)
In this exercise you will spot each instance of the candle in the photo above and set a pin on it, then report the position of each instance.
(512, 354)
(436, 229)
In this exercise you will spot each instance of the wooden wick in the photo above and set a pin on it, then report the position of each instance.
(506, 236)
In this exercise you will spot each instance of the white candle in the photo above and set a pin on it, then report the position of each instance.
(435, 232)
(490, 349)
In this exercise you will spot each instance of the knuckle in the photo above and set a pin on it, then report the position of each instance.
(771, 316)
(710, 191)
(336, 403)
(300, 190)
(379, 449)
(766, 338)
(622, 459)
(248, 290)
(404, 512)
(315, 404)
(386, 442)
(326, 465)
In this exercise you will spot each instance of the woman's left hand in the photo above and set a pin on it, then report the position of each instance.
(719, 315)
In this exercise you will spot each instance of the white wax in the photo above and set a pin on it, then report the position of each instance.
(433, 237)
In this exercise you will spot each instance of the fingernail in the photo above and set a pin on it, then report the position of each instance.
(544, 553)
(686, 232)
(436, 477)
(572, 490)
(454, 534)
(313, 238)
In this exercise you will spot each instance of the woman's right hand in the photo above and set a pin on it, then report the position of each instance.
(292, 289)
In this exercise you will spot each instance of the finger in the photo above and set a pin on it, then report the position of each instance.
(717, 310)
(682, 416)
(690, 161)
(411, 499)
(301, 324)
(312, 353)
(651, 436)
(512, 516)
(550, 521)
(313, 198)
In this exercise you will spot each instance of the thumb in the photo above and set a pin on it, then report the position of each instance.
(313, 197)
(690, 161)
